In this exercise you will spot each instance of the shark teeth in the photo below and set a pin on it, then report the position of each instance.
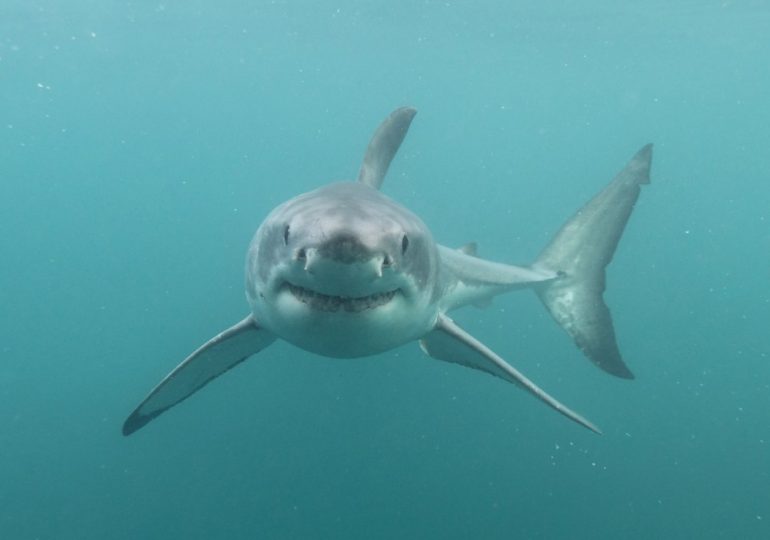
(325, 302)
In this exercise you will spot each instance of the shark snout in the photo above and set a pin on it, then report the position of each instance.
(306, 257)
(344, 257)
(346, 249)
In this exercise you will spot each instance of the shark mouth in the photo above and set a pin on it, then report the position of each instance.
(325, 302)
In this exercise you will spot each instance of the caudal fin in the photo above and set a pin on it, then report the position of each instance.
(579, 253)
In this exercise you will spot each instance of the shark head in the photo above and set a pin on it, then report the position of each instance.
(343, 271)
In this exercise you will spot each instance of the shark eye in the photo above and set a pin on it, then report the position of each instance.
(404, 244)
(286, 235)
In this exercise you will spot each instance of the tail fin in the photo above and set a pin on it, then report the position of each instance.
(579, 253)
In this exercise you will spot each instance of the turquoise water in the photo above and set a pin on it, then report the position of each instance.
(142, 143)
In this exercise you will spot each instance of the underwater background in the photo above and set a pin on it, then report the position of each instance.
(142, 143)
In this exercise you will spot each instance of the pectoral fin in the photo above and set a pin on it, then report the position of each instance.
(213, 358)
(451, 343)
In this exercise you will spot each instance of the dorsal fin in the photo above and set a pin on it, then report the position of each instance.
(471, 248)
(384, 145)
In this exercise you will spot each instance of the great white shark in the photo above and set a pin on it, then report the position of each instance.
(346, 272)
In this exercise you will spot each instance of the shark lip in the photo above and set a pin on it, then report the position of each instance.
(325, 302)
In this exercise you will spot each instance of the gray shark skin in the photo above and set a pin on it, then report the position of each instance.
(346, 272)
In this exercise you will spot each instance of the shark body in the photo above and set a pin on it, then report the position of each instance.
(344, 271)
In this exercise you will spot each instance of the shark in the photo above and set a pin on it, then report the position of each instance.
(344, 271)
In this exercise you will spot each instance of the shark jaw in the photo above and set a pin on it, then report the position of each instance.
(332, 303)
(340, 326)
(340, 310)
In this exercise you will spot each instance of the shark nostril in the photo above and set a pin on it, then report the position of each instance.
(301, 254)
(387, 261)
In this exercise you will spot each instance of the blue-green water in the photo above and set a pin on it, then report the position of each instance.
(141, 144)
